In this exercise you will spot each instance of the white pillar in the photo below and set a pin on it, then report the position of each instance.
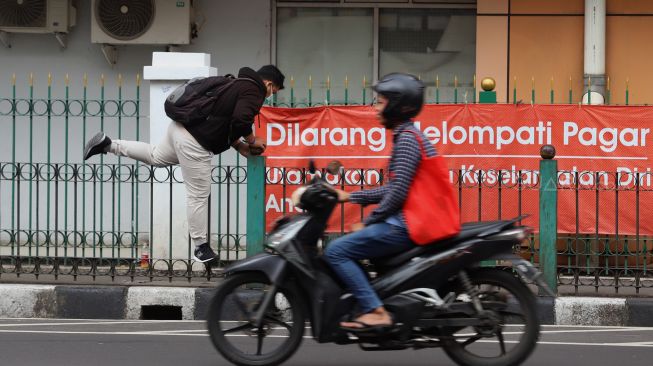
(169, 70)
(594, 61)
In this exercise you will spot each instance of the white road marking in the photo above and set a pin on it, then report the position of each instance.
(86, 323)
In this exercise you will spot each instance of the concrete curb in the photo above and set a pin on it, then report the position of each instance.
(188, 303)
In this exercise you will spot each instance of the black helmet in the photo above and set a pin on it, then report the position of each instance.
(405, 95)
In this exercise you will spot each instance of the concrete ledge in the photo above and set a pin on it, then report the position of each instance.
(640, 312)
(27, 301)
(83, 302)
(546, 310)
(170, 296)
(124, 302)
(203, 298)
(590, 311)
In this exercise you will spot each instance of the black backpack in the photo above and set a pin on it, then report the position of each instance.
(194, 100)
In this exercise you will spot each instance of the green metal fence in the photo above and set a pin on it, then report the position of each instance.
(448, 89)
(62, 216)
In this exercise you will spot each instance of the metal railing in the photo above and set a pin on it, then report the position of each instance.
(621, 260)
(449, 89)
(59, 216)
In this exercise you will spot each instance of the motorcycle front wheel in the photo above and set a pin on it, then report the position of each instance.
(231, 327)
(512, 329)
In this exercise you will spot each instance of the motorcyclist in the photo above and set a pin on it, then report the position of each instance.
(384, 232)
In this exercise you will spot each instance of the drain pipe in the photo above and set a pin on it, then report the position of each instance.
(594, 66)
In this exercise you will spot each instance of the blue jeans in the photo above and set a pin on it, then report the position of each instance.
(374, 241)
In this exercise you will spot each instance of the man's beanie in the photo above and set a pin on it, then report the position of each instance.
(272, 73)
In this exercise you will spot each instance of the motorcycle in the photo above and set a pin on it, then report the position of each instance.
(440, 295)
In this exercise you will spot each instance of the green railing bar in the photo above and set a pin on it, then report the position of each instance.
(101, 172)
(474, 90)
(48, 183)
(255, 204)
(437, 89)
(31, 160)
(589, 90)
(65, 217)
(310, 91)
(514, 91)
(170, 221)
(533, 90)
(219, 206)
(364, 90)
(138, 135)
(328, 91)
(292, 92)
(607, 92)
(548, 220)
(151, 216)
(119, 159)
(346, 91)
(455, 89)
(627, 91)
(237, 202)
(552, 95)
(570, 93)
(85, 85)
(13, 162)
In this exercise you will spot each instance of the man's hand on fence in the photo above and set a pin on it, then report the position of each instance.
(258, 147)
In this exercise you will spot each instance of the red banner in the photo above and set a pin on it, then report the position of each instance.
(603, 154)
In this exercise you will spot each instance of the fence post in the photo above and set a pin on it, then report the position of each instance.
(255, 204)
(487, 96)
(548, 215)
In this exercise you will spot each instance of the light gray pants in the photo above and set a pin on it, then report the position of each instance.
(179, 147)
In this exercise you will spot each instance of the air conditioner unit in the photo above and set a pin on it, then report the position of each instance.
(37, 16)
(119, 22)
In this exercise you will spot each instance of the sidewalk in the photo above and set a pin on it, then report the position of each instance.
(142, 299)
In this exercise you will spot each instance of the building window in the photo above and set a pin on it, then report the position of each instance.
(331, 44)
(323, 43)
(432, 44)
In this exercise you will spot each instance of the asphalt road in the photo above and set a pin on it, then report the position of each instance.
(162, 343)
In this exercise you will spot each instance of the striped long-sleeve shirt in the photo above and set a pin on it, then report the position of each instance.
(406, 156)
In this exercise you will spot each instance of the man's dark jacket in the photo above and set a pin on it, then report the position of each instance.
(233, 114)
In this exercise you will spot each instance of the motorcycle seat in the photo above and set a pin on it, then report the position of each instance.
(467, 231)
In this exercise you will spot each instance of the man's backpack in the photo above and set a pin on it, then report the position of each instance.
(194, 100)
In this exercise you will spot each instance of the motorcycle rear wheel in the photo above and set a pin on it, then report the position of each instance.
(518, 325)
(229, 321)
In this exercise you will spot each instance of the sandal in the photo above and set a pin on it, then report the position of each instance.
(367, 328)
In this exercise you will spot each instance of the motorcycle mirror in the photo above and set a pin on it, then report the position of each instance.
(334, 167)
(311, 166)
